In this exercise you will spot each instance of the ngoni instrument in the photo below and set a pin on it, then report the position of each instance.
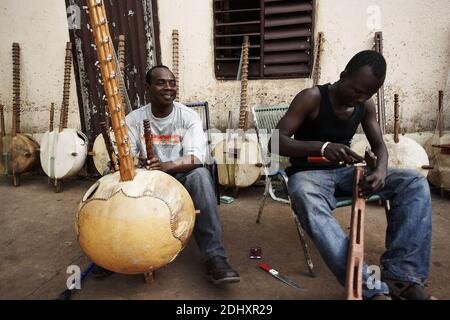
(404, 152)
(239, 156)
(63, 151)
(23, 150)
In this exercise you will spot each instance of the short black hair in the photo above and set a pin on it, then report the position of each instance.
(148, 76)
(371, 58)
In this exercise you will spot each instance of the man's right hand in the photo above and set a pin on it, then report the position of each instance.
(336, 152)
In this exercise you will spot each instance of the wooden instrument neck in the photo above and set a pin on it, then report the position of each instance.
(396, 119)
(175, 60)
(316, 75)
(52, 116)
(109, 146)
(110, 74)
(148, 140)
(379, 42)
(381, 108)
(355, 257)
(2, 122)
(16, 89)
(441, 114)
(243, 112)
(64, 116)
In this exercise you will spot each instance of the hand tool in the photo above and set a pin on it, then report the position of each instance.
(369, 158)
(280, 277)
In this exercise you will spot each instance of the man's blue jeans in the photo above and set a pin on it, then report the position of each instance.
(408, 234)
(207, 230)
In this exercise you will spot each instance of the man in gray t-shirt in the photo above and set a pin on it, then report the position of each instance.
(180, 150)
(177, 135)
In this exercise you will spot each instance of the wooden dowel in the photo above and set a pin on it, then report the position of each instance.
(243, 119)
(148, 140)
(52, 116)
(109, 146)
(441, 113)
(318, 61)
(2, 133)
(396, 119)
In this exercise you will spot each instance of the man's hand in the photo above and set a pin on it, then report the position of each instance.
(154, 164)
(184, 164)
(336, 152)
(373, 182)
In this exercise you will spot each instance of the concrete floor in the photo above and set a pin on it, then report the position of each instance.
(38, 242)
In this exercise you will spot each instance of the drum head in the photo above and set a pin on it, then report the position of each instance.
(63, 153)
(23, 153)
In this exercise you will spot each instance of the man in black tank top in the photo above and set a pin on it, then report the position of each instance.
(323, 121)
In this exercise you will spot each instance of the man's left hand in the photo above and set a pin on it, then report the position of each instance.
(373, 182)
(155, 164)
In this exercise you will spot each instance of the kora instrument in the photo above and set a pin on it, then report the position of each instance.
(134, 220)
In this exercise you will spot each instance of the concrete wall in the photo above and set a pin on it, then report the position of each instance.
(416, 47)
(41, 29)
(194, 21)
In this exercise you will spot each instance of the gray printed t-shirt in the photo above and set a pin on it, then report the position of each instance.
(177, 135)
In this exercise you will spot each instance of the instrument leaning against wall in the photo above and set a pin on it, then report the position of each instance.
(438, 149)
(63, 151)
(318, 60)
(100, 150)
(23, 150)
(4, 144)
(403, 152)
(239, 157)
(3, 163)
(134, 220)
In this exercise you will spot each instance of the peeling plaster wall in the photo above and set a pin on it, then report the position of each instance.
(41, 29)
(416, 46)
(194, 21)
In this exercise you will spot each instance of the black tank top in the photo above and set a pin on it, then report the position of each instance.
(325, 127)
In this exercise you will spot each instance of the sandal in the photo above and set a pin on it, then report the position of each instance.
(402, 290)
(381, 296)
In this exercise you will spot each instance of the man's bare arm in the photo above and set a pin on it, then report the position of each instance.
(305, 106)
(299, 110)
(373, 133)
(376, 179)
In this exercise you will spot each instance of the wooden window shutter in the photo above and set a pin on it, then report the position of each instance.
(287, 38)
(234, 19)
(280, 37)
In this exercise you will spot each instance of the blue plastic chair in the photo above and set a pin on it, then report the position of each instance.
(266, 119)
